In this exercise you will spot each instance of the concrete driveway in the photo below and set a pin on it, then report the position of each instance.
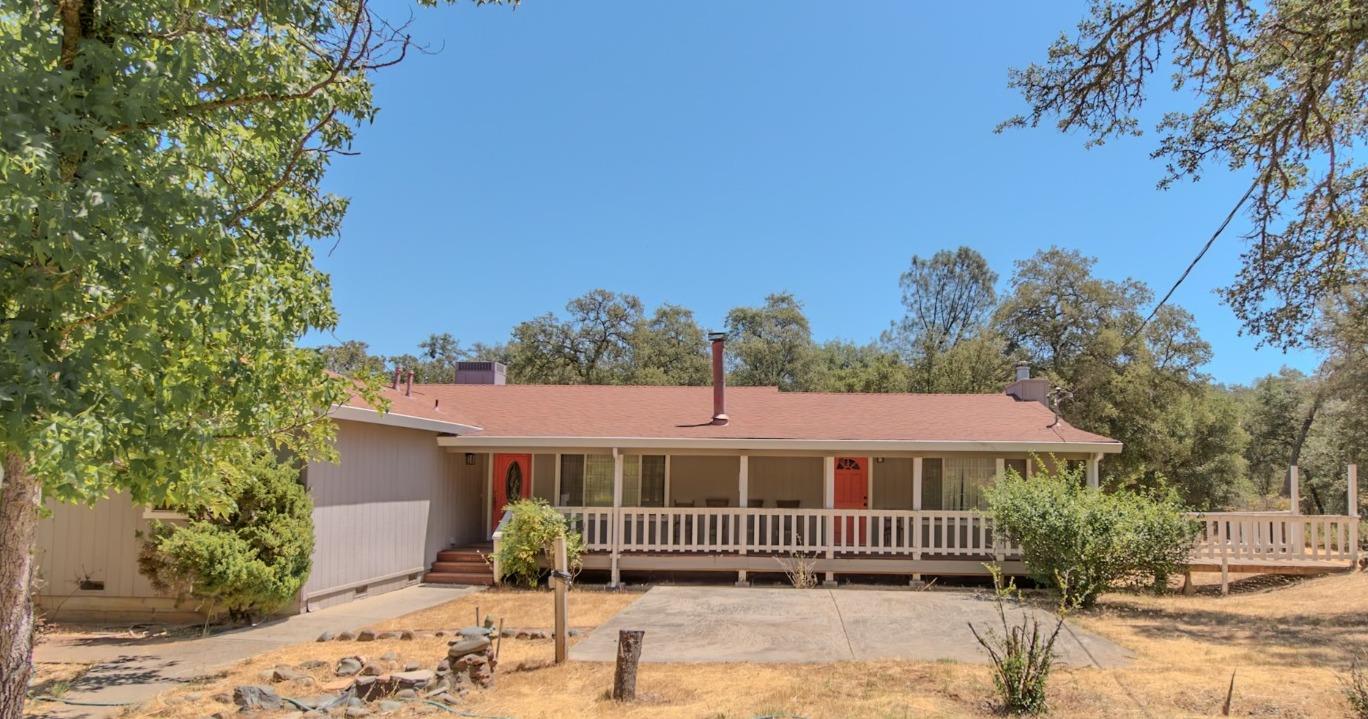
(728, 624)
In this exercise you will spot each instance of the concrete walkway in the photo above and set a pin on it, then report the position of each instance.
(727, 624)
(131, 671)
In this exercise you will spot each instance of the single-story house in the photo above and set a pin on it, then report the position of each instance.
(657, 479)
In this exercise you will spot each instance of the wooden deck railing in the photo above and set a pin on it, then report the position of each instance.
(1276, 537)
(739, 530)
(1232, 536)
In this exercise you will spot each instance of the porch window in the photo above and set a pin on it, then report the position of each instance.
(587, 480)
(964, 481)
(1015, 465)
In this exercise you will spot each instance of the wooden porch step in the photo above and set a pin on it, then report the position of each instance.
(478, 566)
(463, 555)
(479, 580)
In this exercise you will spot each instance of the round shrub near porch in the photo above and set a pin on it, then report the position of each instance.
(528, 537)
(1082, 541)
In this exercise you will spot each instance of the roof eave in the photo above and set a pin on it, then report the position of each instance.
(837, 445)
(394, 419)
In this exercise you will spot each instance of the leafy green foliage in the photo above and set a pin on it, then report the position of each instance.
(771, 345)
(1081, 540)
(250, 560)
(1274, 90)
(528, 538)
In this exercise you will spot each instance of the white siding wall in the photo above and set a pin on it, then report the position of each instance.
(386, 508)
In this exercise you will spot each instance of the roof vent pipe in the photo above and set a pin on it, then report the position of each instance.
(408, 385)
(394, 383)
(719, 375)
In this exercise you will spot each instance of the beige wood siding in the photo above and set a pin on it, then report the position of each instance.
(393, 500)
(544, 477)
(787, 478)
(695, 478)
(893, 483)
(92, 542)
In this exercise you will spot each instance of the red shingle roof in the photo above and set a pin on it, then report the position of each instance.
(598, 411)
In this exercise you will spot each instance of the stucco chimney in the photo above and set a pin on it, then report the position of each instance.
(408, 385)
(1028, 389)
(719, 374)
(394, 383)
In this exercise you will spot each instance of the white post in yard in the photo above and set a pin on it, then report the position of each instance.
(1093, 462)
(743, 490)
(616, 579)
(1353, 512)
(1293, 490)
(1298, 538)
(916, 519)
(829, 502)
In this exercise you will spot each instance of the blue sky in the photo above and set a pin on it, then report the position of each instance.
(707, 154)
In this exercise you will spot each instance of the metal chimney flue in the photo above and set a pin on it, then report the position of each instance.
(1023, 371)
(719, 377)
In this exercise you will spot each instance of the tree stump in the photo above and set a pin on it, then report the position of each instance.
(625, 673)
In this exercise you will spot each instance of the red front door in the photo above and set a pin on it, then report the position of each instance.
(852, 492)
(512, 478)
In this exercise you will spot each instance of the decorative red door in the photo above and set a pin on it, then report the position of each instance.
(851, 492)
(512, 479)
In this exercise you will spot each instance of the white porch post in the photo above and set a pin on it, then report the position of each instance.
(556, 498)
(1294, 491)
(1093, 463)
(1353, 512)
(916, 519)
(616, 579)
(829, 502)
(1298, 537)
(743, 530)
(488, 492)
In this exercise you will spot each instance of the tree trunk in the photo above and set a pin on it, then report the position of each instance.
(625, 674)
(1303, 432)
(18, 520)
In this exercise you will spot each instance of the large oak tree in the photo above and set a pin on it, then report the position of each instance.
(159, 183)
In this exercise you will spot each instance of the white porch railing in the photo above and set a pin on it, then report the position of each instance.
(1267, 537)
(1276, 536)
(737, 530)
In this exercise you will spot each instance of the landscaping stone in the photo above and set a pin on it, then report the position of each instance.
(473, 632)
(463, 647)
(387, 635)
(447, 698)
(390, 705)
(407, 635)
(419, 678)
(309, 664)
(390, 657)
(349, 666)
(326, 637)
(345, 636)
(407, 695)
(357, 712)
(285, 673)
(365, 635)
(372, 670)
(254, 698)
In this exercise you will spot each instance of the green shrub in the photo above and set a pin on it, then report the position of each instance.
(1356, 688)
(248, 560)
(1021, 654)
(529, 536)
(1082, 541)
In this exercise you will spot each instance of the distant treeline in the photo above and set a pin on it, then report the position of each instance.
(1136, 380)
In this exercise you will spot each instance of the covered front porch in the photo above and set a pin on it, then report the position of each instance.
(746, 511)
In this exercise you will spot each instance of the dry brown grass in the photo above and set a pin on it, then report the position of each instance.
(1287, 645)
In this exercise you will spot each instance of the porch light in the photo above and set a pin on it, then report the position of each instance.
(470, 459)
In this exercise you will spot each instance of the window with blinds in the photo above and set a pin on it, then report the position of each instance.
(587, 480)
(964, 480)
